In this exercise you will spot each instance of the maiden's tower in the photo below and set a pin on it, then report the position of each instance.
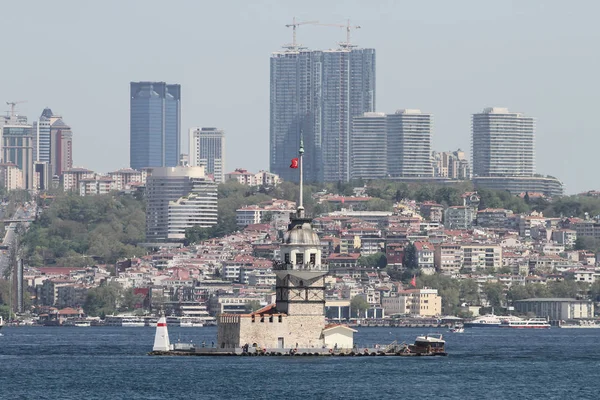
(297, 318)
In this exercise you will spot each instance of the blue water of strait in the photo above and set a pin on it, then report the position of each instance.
(483, 363)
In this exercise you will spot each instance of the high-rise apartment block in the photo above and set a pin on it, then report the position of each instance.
(53, 143)
(409, 144)
(207, 149)
(155, 121)
(315, 95)
(178, 198)
(368, 147)
(503, 143)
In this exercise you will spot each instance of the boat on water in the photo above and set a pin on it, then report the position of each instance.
(580, 325)
(458, 329)
(532, 323)
(490, 321)
(124, 320)
(79, 323)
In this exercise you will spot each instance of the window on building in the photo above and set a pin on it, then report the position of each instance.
(287, 258)
(299, 258)
(313, 258)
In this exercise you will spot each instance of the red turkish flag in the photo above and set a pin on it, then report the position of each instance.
(294, 163)
(413, 281)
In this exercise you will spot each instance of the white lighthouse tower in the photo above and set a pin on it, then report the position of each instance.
(161, 338)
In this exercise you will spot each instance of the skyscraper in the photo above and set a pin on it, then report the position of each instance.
(207, 149)
(155, 121)
(61, 146)
(41, 142)
(315, 94)
(17, 148)
(368, 147)
(409, 144)
(503, 143)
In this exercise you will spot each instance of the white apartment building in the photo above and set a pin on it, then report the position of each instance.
(482, 256)
(368, 145)
(416, 302)
(178, 198)
(503, 143)
(207, 149)
(409, 144)
(70, 178)
(125, 178)
(448, 258)
(95, 185)
(11, 177)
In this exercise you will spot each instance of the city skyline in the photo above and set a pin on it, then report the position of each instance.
(459, 59)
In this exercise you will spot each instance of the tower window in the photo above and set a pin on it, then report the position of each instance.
(287, 258)
(313, 258)
(299, 258)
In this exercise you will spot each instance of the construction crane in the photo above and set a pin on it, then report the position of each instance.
(294, 25)
(347, 44)
(13, 105)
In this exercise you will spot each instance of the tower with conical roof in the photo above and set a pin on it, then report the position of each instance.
(300, 284)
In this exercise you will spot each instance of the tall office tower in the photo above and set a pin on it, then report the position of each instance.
(17, 147)
(178, 198)
(368, 147)
(155, 120)
(207, 149)
(61, 146)
(41, 142)
(503, 143)
(409, 144)
(315, 94)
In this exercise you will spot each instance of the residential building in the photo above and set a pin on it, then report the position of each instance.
(481, 256)
(71, 177)
(95, 185)
(494, 217)
(367, 147)
(503, 143)
(262, 178)
(425, 256)
(207, 149)
(416, 302)
(178, 198)
(432, 211)
(459, 217)
(17, 148)
(448, 258)
(556, 309)
(11, 177)
(126, 178)
(409, 144)
(315, 94)
(42, 180)
(155, 120)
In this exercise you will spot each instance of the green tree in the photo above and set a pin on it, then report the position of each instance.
(469, 291)
(494, 293)
(103, 300)
(359, 305)
(252, 306)
(410, 260)
(377, 260)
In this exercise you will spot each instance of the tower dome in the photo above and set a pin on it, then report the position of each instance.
(300, 232)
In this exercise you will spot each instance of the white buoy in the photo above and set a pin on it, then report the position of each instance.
(161, 339)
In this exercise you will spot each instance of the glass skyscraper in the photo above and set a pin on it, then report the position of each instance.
(315, 94)
(155, 120)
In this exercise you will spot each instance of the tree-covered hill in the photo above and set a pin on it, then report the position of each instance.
(78, 231)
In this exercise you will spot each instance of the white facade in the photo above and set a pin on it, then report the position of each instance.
(409, 144)
(207, 149)
(368, 146)
(179, 198)
(503, 143)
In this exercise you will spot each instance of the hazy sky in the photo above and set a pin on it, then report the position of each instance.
(449, 58)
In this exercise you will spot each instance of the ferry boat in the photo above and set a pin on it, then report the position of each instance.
(580, 325)
(532, 323)
(80, 323)
(124, 320)
(489, 321)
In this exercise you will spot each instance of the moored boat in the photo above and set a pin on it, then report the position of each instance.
(580, 325)
(489, 321)
(532, 323)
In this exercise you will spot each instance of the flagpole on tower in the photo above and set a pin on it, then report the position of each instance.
(300, 154)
